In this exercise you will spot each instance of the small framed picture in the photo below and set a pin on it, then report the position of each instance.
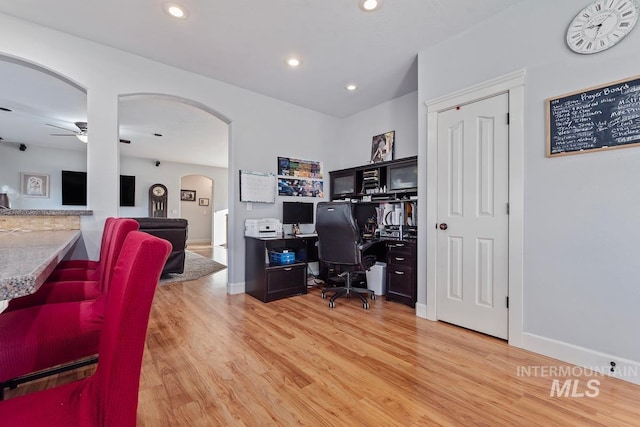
(188, 195)
(203, 202)
(34, 184)
(382, 147)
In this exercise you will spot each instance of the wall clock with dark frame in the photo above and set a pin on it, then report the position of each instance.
(158, 201)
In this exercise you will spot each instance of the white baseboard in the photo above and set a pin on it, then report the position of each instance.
(235, 288)
(421, 310)
(627, 370)
(199, 242)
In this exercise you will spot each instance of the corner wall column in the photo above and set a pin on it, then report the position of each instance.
(103, 164)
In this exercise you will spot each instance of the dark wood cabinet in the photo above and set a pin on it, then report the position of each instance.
(392, 180)
(284, 281)
(343, 184)
(372, 187)
(269, 282)
(401, 272)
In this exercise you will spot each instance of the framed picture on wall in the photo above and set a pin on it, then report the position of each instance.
(188, 195)
(382, 147)
(203, 202)
(34, 184)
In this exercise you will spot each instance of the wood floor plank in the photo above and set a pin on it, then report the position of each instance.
(216, 359)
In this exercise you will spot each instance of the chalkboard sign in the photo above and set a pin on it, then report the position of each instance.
(257, 187)
(594, 119)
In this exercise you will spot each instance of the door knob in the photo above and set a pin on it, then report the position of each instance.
(443, 226)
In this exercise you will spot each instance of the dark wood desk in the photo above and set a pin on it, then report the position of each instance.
(268, 282)
(401, 276)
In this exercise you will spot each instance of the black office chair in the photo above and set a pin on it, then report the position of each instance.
(339, 243)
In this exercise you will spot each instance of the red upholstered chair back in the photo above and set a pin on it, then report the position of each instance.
(106, 236)
(121, 227)
(133, 284)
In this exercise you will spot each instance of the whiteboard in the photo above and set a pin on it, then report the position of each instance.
(257, 187)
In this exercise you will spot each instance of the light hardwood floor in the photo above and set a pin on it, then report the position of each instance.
(214, 359)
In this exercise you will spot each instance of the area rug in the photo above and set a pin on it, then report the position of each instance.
(195, 267)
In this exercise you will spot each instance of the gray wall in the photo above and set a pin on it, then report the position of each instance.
(580, 212)
(42, 161)
(356, 131)
(49, 161)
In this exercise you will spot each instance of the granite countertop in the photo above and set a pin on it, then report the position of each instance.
(44, 212)
(28, 257)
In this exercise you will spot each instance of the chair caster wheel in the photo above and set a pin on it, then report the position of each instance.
(324, 296)
(365, 306)
(332, 304)
(373, 296)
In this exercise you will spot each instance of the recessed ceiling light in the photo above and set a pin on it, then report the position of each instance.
(370, 5)
(350, 87)
(176, 10)
(293, 62)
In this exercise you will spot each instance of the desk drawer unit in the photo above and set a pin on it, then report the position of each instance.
(401, 272)
(284, 281)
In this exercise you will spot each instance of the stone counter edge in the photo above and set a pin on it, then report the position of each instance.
(43, 212)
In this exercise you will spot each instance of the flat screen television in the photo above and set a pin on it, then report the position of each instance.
(297, 213)
(74, 188)
(127, 190)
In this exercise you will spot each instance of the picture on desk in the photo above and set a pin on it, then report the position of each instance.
(300, 187)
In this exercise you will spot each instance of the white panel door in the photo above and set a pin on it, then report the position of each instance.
(473, 195)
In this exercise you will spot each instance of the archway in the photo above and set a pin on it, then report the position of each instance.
(172, 138)
(37, 103)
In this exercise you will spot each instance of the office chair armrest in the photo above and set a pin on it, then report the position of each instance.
(366, 245)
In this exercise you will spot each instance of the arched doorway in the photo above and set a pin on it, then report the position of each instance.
(172, 138)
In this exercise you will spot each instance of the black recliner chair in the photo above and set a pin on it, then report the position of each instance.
(175, 231)
(339, 243)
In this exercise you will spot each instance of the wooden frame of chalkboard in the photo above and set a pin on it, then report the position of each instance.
(594, 119)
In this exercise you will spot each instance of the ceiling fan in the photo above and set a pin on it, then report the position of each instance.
(81, 134)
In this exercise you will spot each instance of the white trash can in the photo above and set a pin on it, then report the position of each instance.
(377, 278)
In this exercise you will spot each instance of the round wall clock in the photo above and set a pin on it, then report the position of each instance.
(601, 25)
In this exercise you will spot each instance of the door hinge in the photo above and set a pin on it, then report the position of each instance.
(507, 302)
(508, 119)
(508, 208)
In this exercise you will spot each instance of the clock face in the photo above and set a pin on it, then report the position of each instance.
(158, 191)
(601, 25)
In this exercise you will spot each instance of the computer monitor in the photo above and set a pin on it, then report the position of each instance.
(297, 213)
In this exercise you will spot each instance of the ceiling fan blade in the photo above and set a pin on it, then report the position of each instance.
(60, 127)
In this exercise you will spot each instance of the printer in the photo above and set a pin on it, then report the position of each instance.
(265, 227)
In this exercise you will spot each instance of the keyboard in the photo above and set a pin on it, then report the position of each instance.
(307, 235)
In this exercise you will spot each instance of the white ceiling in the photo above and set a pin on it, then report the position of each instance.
(245, 43)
